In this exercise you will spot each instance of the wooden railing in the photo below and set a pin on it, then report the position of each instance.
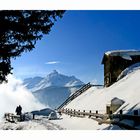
(83, 113)
(13, 118)
(74, 95)
(116, 119)
(125, 116)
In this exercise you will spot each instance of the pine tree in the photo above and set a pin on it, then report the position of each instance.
(19, 31)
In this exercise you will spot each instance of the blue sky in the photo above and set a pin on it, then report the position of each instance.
(77, 42)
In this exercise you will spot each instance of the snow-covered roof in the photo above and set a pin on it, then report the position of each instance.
(122, 52)
(117, 101)
(125, 54)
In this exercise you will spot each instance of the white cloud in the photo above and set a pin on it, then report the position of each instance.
(13, 94)
(52, 62)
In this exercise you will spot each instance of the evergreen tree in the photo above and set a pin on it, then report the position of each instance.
(19, 31)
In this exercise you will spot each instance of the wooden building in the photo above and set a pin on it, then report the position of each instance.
(116, 61)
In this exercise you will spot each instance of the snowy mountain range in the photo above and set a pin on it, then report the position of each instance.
(53, 89)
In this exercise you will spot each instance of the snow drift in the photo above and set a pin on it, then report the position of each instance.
(14, 93)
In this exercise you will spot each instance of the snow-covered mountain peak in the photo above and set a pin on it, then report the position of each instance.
(53, 79)
(53, 73)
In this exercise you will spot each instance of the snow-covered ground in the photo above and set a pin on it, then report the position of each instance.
(38, 124)
(126, 89)
(74, 123)
(65, 122)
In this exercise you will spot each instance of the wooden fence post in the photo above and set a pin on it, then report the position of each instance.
(96, 113)
(78, 112)
(84, 113)
(121, 112)
(120, 116)
(60, 112)
(71, 113)
(136, 114)
(68, 111)
(89, 112)
(33, 116)
(74, 112)
(6, 116)
(110, 112)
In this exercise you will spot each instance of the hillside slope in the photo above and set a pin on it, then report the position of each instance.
(127, 89)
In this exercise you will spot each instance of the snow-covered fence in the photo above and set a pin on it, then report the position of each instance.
(12, 118)
(134, 117)
(116, 119)
(125, 116)
(124, 120)
(75, 94)
(83, 113)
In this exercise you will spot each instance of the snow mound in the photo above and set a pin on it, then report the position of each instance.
(128, 70)
(51, 114)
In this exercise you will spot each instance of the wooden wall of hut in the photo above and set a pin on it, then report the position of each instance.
(114, 65)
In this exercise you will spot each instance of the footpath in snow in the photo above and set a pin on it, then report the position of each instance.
(38, 124)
